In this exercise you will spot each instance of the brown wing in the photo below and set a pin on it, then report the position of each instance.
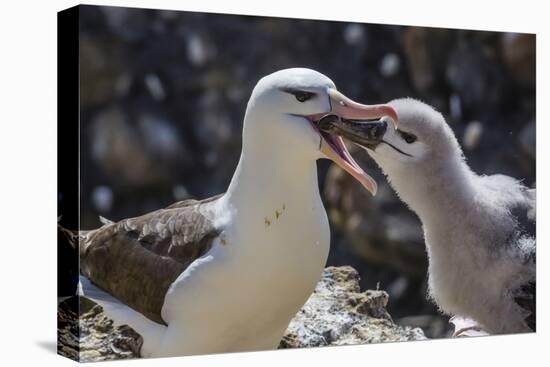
(137, 259)
(188, 202)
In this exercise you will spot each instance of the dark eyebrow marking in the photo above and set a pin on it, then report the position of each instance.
(396, 148)
(301, 95)
(295, 91)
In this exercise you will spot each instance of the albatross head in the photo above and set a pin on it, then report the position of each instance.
(423, 137)
(422, 149)
(285, 109)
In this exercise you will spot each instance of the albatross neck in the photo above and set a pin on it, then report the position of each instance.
(442, 191)
(265, 179)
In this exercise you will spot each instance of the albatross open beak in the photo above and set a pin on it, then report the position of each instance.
(346, 113)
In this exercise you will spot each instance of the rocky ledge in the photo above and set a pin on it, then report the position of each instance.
(94, 338)
(337, 313)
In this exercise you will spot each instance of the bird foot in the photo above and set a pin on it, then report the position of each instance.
(466, 327)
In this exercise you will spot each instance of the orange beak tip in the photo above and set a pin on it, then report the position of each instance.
(392, 117)
(371, 186)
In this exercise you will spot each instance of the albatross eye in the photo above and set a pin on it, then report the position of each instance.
(409, 138)
(302, 96)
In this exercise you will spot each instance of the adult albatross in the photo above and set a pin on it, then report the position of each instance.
(228, 273)
(479, 230)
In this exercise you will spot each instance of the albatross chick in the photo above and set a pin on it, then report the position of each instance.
(479, 230)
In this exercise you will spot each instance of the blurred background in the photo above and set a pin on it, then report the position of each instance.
(163, 95)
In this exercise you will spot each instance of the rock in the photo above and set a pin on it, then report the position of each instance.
(99, 70)
(152, 141)
(155, 87)
(472, 135)
(198, 51)
(528, 139)
(337, 313)
(519, 51)
(354, 34)
(112, 139)
(425, 50)
(92, 336)
(466, 74)
(432, 326)
(473, 73)
(389, 66)
(102, 197)
(455, 107)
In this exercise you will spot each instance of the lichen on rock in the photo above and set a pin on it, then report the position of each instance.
(85, 334)
(337, 313)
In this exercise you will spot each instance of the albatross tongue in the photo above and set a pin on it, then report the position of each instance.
(334, 148)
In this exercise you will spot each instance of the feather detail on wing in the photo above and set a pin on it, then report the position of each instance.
(137, 259)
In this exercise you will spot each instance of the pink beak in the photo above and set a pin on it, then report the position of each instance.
(333, 147)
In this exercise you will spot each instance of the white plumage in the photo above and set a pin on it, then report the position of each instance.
(479, 230)
(263, 244)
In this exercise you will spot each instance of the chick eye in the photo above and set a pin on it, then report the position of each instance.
(302, 96)
(409, 138)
